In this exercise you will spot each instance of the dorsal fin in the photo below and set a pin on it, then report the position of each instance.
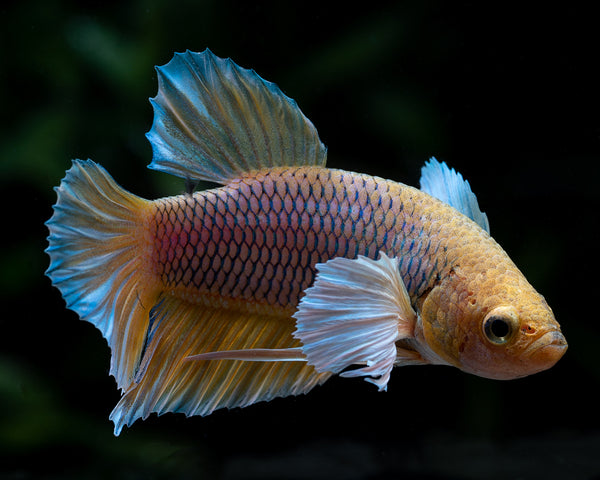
(214, 121)
(447, 185)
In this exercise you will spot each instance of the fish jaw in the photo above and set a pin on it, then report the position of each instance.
(526, 355)
(546, 350)
(541, 354)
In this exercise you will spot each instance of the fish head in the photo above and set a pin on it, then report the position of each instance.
(494, 326)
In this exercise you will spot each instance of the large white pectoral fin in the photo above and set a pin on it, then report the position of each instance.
(353, 315)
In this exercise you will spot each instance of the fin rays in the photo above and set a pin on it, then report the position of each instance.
(353, 315)
(215, 121)
(447, 185)
(95, 260)
(169, 380)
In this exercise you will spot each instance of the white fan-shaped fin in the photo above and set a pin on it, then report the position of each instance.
(353, 315)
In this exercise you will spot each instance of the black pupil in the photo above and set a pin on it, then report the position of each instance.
(499, 327)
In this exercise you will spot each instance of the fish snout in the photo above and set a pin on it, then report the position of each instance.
(547, 349)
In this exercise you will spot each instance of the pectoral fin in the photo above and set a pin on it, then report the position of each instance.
(353, 315)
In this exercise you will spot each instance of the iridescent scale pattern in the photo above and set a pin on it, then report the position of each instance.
(257, 240)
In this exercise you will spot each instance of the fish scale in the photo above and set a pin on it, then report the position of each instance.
(260, 238)
(288, 273)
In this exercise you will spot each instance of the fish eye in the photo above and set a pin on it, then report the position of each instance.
(500, 325)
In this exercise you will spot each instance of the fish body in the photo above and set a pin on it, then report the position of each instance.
(287, 273)
(255, 242)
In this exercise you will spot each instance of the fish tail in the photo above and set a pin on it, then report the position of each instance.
(99, 261)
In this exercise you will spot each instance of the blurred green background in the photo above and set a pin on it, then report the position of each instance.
(507, 95)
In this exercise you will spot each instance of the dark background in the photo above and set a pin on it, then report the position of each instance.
(509, 95)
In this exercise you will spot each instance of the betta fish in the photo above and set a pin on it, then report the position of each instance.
(287, 273)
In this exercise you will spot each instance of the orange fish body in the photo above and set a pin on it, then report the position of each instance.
(288, 273)
(253, 245)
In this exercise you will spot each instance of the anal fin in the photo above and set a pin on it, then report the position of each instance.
(172, 379)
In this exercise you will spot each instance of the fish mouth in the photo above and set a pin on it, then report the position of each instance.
(548, 348)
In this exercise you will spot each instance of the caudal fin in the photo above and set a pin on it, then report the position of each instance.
(99, 261)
